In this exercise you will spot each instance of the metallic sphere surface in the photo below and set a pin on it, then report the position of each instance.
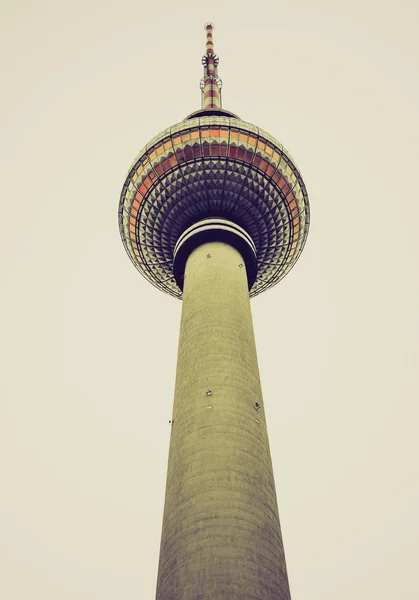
(213, 166)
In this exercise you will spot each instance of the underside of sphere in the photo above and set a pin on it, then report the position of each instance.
(206, 167)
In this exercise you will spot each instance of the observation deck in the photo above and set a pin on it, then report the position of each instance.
(213, 166)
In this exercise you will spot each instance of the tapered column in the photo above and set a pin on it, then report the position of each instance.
(221, 538)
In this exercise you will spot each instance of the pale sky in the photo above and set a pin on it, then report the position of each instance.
(89, 346)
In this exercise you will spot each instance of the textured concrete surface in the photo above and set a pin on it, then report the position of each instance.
(221, 536)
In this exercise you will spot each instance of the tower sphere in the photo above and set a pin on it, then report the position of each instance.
(213, 165)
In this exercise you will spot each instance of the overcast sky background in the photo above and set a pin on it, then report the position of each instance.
(89, 347)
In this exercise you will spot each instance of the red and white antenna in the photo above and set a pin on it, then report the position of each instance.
(210, 83)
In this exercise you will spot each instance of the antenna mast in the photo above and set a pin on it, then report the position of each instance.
(210, 83)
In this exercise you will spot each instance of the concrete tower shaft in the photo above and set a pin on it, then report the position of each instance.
(221, 536)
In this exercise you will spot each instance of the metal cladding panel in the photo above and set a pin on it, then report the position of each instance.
(221, 537)
(208, 167)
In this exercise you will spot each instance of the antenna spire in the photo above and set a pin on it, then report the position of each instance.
(210, 83)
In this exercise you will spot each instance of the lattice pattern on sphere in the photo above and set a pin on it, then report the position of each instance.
(213, 166)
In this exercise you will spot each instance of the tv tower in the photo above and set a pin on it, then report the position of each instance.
(214, 211)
